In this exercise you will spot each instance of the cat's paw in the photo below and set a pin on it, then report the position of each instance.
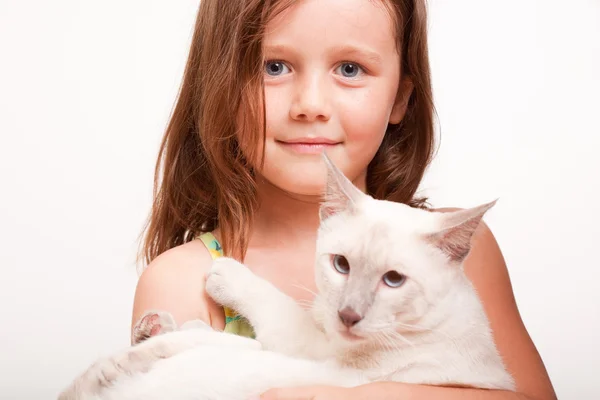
(152, 323)
(134, 360)
(227, 282)
(105, 372)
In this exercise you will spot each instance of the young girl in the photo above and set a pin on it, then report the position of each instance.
(268, 86)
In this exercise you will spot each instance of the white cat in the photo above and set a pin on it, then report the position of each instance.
(393, 304)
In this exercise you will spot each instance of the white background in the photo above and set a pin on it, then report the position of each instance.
(86, 89)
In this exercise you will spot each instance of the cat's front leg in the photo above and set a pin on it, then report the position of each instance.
(233, 285)
(141, 358)
(279, 322)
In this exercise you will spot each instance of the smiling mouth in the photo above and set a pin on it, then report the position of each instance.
(307, 145)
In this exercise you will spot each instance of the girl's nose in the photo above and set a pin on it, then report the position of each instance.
(311, 102)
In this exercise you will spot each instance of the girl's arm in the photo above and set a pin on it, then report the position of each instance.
(392, 391)
(174, 283)
(486, 268)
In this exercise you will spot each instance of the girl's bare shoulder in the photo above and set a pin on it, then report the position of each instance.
(174, 282)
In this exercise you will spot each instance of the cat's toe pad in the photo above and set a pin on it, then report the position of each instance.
(151, 324)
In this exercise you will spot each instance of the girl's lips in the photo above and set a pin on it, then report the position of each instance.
(308, 145)
(307, 148)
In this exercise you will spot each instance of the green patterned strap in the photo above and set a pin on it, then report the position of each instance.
(212, 244)
(234, 323)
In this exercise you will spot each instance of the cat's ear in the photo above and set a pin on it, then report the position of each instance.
(457, 229)
(340, 194)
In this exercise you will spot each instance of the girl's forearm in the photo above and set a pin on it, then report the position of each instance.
(401, 391)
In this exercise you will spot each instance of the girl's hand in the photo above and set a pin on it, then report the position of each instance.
(311, 393)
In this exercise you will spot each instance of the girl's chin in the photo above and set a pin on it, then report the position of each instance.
(303, 184)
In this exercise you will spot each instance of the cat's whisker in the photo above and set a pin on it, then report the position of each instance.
(390, 344)
(394, 344)
(306, 304)
(302, 287)
(396, 324)
(381, 340)
(417, 328)
(398, 335)
(386, 341)
(412, 328)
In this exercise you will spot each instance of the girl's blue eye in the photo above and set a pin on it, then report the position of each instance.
(393, 279)
(276, 68)
(349, 70)
(341, 264)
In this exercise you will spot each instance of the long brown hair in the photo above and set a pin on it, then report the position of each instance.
(203, 179)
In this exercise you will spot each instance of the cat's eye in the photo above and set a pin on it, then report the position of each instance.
(393, 279)
(341, 264)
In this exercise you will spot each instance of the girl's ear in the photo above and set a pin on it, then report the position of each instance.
(399, 109)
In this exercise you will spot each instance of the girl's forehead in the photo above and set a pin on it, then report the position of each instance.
(333, 23)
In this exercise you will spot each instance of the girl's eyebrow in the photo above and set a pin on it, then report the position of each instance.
(357, 51)
(278, 49)
(340, 51)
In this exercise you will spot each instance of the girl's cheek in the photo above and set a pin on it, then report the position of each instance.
(277, 106)
(366, 124)
(367, 108)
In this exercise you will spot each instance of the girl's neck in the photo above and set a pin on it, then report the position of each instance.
(284, 216)
(287, 217)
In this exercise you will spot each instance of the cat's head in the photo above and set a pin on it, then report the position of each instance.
(383, 267)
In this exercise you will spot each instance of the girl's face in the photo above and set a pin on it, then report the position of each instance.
(332, 76)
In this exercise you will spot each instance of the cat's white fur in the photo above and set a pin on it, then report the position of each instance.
(430, 330)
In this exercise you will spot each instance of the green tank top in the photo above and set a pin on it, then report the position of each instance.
(234, 323)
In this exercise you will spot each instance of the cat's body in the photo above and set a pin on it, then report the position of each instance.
(393, 305)
(222, 372)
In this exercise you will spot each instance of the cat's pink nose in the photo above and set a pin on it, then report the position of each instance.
(349, 317)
